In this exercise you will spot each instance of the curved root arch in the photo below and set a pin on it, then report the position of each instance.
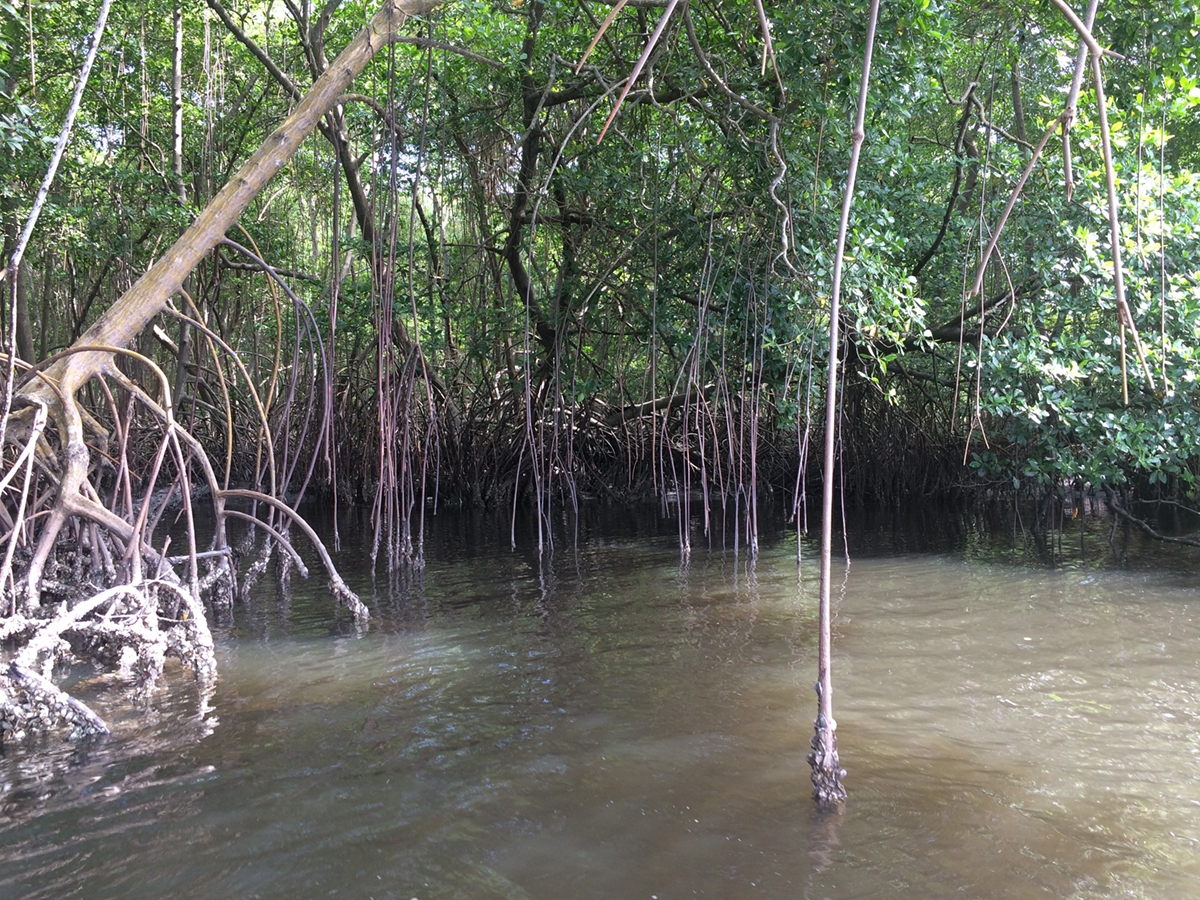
(84, 567)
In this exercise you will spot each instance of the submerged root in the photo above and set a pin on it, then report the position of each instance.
(348, 599)
(128, 628)
(31, 705)
(827, 773)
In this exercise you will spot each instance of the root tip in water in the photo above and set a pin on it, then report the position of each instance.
(350, 600)
(31, 704)
(827, 773)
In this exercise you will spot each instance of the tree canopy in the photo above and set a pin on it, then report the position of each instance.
(459, 200)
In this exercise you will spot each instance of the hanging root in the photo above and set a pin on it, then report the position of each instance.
(340, 590)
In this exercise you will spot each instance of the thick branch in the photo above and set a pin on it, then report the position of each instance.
(122, 322)
(954, 188)
(1144, 525)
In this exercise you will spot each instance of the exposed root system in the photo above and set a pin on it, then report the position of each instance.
(130, 628)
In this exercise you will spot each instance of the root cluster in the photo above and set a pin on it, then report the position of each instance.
(85, 574)
(131, 629)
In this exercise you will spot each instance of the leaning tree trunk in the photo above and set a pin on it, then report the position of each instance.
(148, 611)
(122, 322)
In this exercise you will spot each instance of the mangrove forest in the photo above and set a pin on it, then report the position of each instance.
(740, 258)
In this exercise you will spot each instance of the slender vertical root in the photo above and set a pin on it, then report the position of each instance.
(827, 774)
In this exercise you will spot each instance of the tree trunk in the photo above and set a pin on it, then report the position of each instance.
(48, 326)
(23, 324)
(121, 323)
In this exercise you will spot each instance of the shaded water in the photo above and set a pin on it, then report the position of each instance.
(618, 723)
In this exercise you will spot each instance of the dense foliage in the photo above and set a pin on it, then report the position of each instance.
(502, 302)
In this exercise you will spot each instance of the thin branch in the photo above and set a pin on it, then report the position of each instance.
(651, 43)
(1013, 196)
(769, 50)
(63, 137)
(729, 93)
(430, 44)
(14, 264)
(963, 121)
(1145, 526)
(1073, 100)
(608, 20)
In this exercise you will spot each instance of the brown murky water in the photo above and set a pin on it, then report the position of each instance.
(621, 724)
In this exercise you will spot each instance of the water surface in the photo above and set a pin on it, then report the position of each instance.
(619, 722)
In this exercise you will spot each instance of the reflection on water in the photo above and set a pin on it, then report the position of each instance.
(617, 723)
